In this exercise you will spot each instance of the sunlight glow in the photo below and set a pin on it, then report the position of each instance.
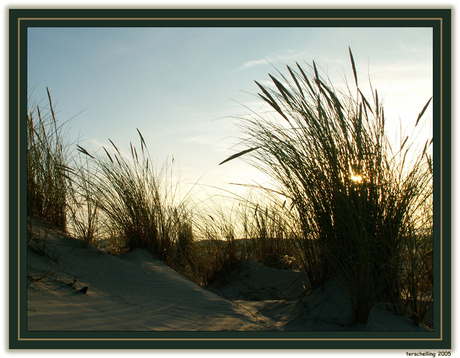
(356, 178)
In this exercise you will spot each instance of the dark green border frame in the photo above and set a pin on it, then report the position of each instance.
(437, 19)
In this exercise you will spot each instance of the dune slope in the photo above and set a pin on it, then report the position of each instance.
(136, 292)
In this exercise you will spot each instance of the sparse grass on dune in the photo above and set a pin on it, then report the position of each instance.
(268, 231)
(358, 204)
(247, 230)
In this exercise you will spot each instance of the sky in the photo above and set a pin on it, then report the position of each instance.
(186, 89)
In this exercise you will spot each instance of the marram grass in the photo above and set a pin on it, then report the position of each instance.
(139, 203)
(358, 205)
(47, 166)
(346, 202)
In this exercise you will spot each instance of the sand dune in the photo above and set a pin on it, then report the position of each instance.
(136, 292)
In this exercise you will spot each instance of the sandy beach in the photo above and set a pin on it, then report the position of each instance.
(77, 287)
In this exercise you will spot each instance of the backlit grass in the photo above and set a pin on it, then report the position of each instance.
(357, 203)
(47, 166)
(345, 201)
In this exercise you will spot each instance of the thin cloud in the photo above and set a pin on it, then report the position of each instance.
(254, 63)
(283, 56)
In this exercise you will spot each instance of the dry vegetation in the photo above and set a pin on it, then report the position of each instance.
(346, 204)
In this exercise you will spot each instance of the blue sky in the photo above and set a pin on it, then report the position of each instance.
(184, 87)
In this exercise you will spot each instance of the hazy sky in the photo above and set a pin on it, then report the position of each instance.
(183, 87)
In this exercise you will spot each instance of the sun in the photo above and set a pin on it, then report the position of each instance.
(356, 178)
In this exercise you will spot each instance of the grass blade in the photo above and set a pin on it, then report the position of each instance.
(355, 74)
(84, 151)
(234, 156)
(423, 111)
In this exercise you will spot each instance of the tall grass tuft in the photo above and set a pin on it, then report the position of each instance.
(85, 219)
(358, 203)
(47, 166)
(140, 205)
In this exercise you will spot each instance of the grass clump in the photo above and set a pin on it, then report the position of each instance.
(139, 205)
(47, 166)
(357, 203)
(85, 219)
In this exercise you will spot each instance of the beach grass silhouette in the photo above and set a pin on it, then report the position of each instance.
(345, 203)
